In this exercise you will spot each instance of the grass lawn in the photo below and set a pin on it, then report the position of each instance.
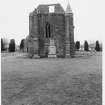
(76, 81)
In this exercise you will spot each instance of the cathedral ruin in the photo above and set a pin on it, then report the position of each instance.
(51, 31)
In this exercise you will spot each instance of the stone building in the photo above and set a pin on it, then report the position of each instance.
(51, 31)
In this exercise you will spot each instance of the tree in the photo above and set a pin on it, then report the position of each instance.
(77, 45)
(86, 46)
(5, 43)
(12, 45)
(100, 47)
(22, 44)
(2, 46)
(97, 47)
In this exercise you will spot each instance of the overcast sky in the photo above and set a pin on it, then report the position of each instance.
(88, 18)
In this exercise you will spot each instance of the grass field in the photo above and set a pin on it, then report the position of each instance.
(76, 81)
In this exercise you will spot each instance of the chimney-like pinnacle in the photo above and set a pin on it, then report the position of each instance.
(68, 9)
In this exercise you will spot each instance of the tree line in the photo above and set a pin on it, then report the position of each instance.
(86, 46)
(12, 45)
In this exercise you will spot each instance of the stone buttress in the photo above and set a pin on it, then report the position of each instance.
(69, 33)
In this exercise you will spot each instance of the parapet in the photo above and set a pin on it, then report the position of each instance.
(56, 8)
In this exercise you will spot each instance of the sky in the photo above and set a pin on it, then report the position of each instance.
(88, 18)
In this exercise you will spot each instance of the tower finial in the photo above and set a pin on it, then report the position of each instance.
(68, 9)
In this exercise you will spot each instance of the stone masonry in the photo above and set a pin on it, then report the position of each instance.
(45, 26)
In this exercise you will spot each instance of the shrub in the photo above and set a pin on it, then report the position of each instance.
(12, 45)
(22, 44)
(86, 46)
(97, 47)
(77, 45)
(2, 46)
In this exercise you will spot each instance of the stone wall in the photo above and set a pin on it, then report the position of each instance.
(32, 41)
(58, 9)
(69, 34)
(72, 47)
(44, 9)
(61, 30)
(57, 23)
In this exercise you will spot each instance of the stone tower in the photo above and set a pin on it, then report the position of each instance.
(46, 27)
(69, 32)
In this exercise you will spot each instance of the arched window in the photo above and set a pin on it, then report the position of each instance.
(48, 32)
